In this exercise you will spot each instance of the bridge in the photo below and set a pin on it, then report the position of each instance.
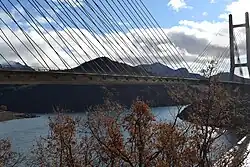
(106, 42)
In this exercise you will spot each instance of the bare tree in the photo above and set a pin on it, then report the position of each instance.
(213, 109)
(134, 138)
(8, 158)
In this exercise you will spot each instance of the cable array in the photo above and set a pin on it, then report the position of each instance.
(238, 38)
(224, 59)
(202, 59)
(108, 36)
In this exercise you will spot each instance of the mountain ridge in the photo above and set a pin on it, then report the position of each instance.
(108, 66)
(13, 65)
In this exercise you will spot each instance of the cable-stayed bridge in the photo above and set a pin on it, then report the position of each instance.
(106, 42)
(100, 42)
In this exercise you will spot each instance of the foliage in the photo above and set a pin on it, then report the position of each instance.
(212, 111)
(61, 147)
(3, 108)
(8, 158)
(114, 136)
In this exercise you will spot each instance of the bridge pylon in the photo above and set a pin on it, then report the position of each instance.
(234, 65)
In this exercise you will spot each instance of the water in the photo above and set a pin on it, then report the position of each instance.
(24, 132)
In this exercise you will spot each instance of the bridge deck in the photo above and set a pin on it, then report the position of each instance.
(37, 77)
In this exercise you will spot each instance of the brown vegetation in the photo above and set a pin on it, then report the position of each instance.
(113, 136)
(8, 158)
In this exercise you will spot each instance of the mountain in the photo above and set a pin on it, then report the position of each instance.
(106, 65)
(12, 65)
(226, 77)
(165, 71)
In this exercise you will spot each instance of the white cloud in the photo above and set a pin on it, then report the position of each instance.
(42, 20)
(4, 16)
(204, 14)
(178, 4)
(237, 9)
(212, 1)
(74, 3)
(123, 23)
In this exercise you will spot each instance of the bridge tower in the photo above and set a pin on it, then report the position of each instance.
(233, 65)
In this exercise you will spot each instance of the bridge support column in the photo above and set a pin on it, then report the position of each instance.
(232, 47)
(247, 42)
(231, 40)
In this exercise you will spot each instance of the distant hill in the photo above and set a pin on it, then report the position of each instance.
(106, 65)
(226, 77)
(159, 69)
(12, 65)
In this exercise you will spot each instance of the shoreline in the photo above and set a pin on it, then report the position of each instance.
(9, 115)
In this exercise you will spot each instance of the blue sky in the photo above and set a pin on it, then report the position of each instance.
(167, 16)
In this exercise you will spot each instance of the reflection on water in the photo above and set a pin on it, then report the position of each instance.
(24, 132)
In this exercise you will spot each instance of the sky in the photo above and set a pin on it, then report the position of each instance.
(190, 25)
(194, 10)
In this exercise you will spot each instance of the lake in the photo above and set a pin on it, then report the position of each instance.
(24, 132)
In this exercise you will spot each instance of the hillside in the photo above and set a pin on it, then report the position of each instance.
(42, 98)
(15, 66)
(225, 77)
(159, 69)
(106, 65)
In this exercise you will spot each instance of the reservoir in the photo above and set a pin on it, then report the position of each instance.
(23, 133)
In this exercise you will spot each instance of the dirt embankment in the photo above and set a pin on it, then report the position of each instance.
(6, 115)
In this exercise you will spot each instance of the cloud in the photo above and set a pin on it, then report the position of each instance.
(4, 16)
(178, 4)
(43, 20)
(204, 14)
(212, 1)
(123, 23)
(142, 44)
(74, 3)
(233, 8)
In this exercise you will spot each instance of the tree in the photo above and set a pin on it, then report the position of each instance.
(134, 138)
(115, 136)
(8, 158)
(212, 109)
(3, 108)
